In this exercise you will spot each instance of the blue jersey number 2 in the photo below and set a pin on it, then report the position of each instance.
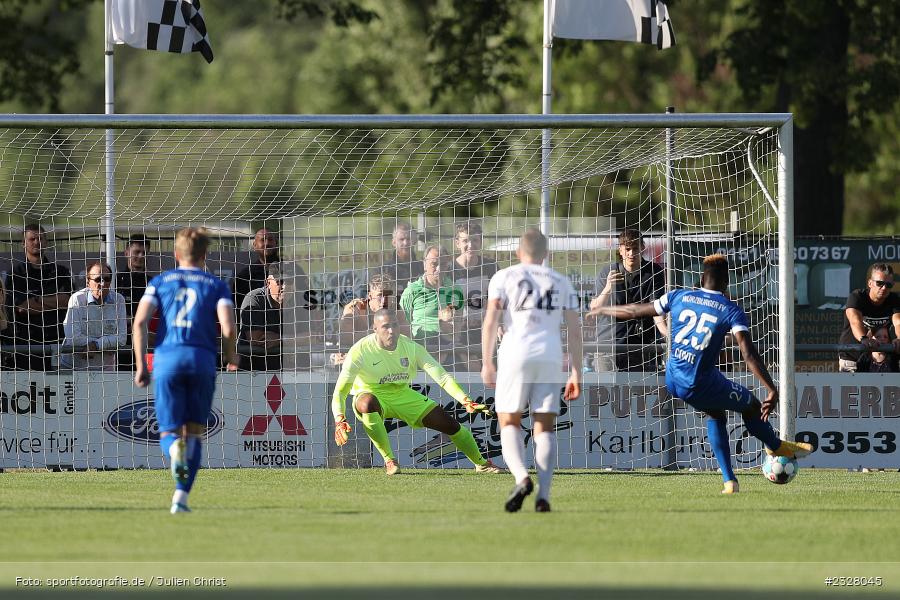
(187, 297)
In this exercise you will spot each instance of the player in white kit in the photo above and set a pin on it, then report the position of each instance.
(532, 301)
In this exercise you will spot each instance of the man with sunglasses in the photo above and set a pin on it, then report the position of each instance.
(96, 325)
(868, 309)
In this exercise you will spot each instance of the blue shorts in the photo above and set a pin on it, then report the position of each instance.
(185, 381)
(716, 394)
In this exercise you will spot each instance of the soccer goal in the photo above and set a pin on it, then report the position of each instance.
(349, 206)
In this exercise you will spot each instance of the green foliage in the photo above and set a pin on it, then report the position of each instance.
(37, 49)
(834, 64)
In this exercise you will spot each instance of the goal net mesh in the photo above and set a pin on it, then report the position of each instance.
(349, 215)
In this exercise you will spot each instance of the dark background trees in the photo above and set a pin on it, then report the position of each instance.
(833, 64)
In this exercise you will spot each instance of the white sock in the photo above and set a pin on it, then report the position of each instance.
(544, 461)
(514, 451)
(180, 497)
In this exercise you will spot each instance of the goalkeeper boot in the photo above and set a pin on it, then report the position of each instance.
(178, 457)
(541, 505)
(731, 487)
(178, 507)
(518, 494)
(391, 467)
(488, 467)
(791, 449)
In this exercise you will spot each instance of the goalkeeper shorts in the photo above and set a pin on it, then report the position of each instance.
(408, 405)
(532, 384)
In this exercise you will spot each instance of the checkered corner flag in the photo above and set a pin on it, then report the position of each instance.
(164, 25)
(644, 21)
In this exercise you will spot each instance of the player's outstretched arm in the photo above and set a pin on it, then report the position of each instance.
(576, 353)
(349, 369)
(758, 368)
(142, 316)
(225, 312)
(489, 329)
(625, 311)
(436, 371)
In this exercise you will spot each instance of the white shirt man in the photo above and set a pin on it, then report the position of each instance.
(533, 301)
(95, 325)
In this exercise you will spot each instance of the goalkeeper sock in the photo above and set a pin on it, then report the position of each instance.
(718, 441)
(466, 443)
(194, 454)
(514, 451)
(544, 461)
(762, 430)
(375, 429)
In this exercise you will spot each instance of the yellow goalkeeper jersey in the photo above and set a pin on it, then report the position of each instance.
(370, 368)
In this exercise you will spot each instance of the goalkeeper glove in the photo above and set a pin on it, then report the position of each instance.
(341, 429)
(472, 407)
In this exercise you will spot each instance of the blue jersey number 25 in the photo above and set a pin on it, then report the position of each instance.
(695, 327)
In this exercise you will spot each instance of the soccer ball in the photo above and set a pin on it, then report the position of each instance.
(780, 469)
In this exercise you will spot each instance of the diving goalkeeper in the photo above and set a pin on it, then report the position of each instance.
(377, 371)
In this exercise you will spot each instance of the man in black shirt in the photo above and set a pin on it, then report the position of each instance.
(260, 323)
(38, 292)
(868, 309)
(265, 246)
(132, 280)
(633, 280)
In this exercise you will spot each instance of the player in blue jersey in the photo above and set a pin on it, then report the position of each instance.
(700, 321)
(184, 367)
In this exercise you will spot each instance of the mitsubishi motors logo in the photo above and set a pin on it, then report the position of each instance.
(259, 424)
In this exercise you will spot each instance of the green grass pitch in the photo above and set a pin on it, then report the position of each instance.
(429, 533)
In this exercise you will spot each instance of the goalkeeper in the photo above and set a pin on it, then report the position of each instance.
(379, 369)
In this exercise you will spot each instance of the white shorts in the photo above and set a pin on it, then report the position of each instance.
(534, 385)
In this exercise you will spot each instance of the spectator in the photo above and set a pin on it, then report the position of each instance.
(633, 280)
(265, 245)
(303, 325)
(402, 264)
(431, 304)
(878, 362)
(275, 331)
(356, 320)
(4, 319)
(261, 323)
(37, 292)
(95, 324)
(471, 273)
(132, 280)
(6, 360)
(868, 308)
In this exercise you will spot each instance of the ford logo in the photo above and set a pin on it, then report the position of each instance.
(136, 421)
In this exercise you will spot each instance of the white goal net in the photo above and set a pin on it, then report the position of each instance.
(349, 212)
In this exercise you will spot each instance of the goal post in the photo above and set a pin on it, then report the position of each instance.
(337, 192)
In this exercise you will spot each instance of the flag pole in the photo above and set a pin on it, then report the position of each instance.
(546, 109)
(109, 225)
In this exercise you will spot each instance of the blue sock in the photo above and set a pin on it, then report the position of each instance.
(718, 440)
(763, 431)
(194, 453)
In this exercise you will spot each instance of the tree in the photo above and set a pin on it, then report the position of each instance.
(37, 49)
(835, 66)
